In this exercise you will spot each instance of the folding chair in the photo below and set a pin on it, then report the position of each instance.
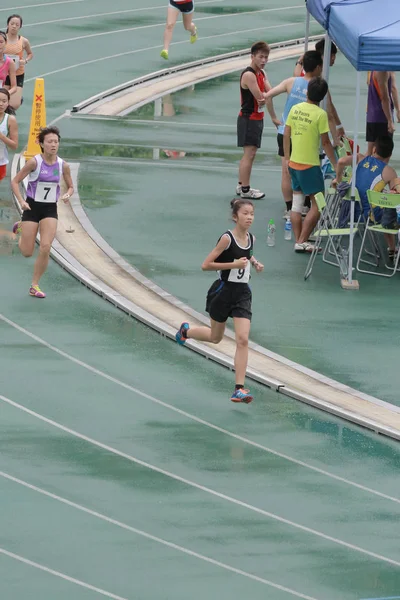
(326, 230)
(381, 200)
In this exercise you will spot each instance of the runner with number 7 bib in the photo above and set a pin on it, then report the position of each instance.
(44, 172)
(230, 294)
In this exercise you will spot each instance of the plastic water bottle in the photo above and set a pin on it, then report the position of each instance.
(271, 233)
(288, 229)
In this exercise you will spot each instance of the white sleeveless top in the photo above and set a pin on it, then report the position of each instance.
(3, 148)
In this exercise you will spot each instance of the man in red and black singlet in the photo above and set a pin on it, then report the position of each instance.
(250, 123)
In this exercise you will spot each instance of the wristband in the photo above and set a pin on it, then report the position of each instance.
(340, 126)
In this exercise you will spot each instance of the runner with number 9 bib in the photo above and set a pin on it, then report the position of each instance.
(230, 294)
(44, 172)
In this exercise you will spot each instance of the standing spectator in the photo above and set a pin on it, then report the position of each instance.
(296, 90)
(250, 123)
(381, 87)
(306, 125)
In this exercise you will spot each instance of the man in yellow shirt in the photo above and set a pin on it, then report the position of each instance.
(306, 125)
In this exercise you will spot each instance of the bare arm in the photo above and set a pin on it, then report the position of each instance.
(68, 181)
(328, 148)
(13, 78)
(284, 86)
(249, 81)
(334, 121)
(209, 263)
(395, 96)
(20, 176)
(382, 78)
(12, 140)
(28, 51)
(299, 67)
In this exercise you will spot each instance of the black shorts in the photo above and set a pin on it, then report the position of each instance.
(226, 299)
(39, 211)
(187, 7)
(279, 139)
(249, 132)
(375, 130)
(20, 80)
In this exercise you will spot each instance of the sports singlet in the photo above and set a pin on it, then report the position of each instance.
(233, 252)
(298, 94)
(249, 105)
(15, 51)
(375, 112)
(369, 177)
(3, 148)
(4, 70)
(44, 181)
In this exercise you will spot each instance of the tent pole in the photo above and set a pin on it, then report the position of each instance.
(326, 66)
(349, 283)
(307, 32)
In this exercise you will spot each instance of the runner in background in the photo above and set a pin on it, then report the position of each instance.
(8, 131)
(19, 50)
(186, 8)
(7, 67)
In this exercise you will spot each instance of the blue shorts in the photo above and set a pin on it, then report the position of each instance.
(185, 7)
(309, 181)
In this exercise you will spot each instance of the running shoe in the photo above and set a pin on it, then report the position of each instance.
(239, 190)
(164, 54)
(286, 215)
(35, 291)
(252, 194)
(242, 395)
(180, 336)
(17, 227)
(193, 36)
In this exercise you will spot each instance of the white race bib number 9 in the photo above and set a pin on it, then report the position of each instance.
(240, 275)
(16, 59)
(46, 192)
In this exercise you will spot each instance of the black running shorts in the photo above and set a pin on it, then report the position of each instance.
(226, 299)
(39, 211)
(249, 132)
(375, 130)
(186, 7)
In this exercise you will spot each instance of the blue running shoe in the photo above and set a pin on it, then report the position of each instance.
(242, 395)
(181, 333)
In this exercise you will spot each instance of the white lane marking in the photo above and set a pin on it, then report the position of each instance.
(116, 12)
(153, 538)
(36, 565)
(95, 60)
(198, 486)
(183, 413)
(154, 25)
(156, 121)
(43, 4)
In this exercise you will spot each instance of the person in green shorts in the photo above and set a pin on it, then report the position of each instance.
(307, 125)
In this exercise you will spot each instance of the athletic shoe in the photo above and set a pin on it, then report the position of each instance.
(286, 215)
(252, 194)
(180, 337)
(164, 54)
(35, 291)
(304, 211)
(17, 227)
(194, 36)
(239, 190)
(242, 395)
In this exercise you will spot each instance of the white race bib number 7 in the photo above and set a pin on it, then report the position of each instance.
(240, 275)
(46, 192)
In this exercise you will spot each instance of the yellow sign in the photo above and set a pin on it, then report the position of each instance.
(38, 118)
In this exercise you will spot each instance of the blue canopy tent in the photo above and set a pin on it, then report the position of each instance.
(368, 33)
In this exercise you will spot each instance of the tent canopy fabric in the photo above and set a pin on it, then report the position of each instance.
(366, 31)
